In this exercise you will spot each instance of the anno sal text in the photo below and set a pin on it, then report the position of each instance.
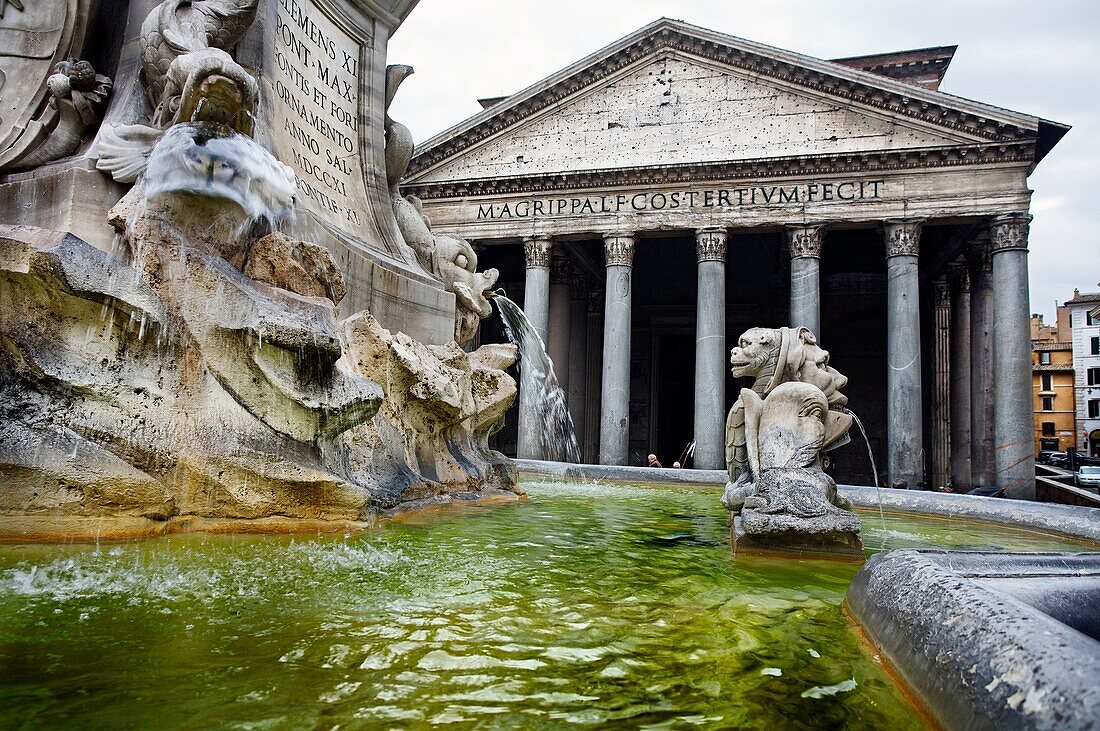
(845, 191)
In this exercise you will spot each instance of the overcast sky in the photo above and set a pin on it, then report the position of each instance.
(1036, 57)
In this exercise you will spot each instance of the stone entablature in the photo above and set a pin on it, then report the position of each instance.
(941, 194)
(679, 128)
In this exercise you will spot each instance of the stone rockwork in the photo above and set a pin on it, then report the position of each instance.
(441, 406)
(225, 398)
(200, 369)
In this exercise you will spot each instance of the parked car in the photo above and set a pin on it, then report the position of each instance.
(1059, 459)
(1089, 461)
(1087, 476)
(1044, 457)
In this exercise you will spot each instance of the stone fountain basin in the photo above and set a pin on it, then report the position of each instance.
(988, 640)
(984, 639)
(613, 604)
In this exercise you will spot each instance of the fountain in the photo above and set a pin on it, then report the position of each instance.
(776, 434)
(199, 373)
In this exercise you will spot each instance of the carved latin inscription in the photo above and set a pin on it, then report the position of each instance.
(314, 88)
(833, 191)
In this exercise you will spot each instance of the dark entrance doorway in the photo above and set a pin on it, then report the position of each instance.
(674, 394)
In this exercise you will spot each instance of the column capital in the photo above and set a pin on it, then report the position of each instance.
(805, 240)
(536, 251)
(561, 269)
(578, 283)
(618, 248)
(595, 299)
(941, 292)
(959, 276)
(902, 237)
(710, 244)
(1009, 231)
(979, 257)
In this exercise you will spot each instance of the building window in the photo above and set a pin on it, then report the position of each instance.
(1094, 409)
(1044, 357)
(1047, 386)
(1048, 403)
(1090, 320)
(1094, 376)
(1048, 428)
(1096, 346)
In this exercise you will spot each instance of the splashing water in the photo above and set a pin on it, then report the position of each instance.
(558, 437)
(200, 159)
(874, 469)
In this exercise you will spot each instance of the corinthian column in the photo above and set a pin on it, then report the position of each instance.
(941, 384)
(805, 246)
(710, 350)
(903, 379)
(578, 354)
(536, 306)
(594, 376)
(981, 364)
(960, 378)
(1014, 457)
(557, 344)
(615, 398)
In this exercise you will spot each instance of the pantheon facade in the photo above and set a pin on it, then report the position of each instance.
(652, 201)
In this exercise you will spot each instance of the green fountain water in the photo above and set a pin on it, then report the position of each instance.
(588, 604)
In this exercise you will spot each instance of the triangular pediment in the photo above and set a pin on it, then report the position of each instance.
(673, 110)
(673, 94)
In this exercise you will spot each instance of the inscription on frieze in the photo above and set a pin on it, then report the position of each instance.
(314, 87)
(834, 191)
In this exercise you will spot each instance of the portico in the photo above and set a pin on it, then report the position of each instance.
(695, 184)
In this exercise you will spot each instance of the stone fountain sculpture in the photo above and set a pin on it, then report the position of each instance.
(200, 371)
(75, 102)
(449, 258)
(777, 434)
